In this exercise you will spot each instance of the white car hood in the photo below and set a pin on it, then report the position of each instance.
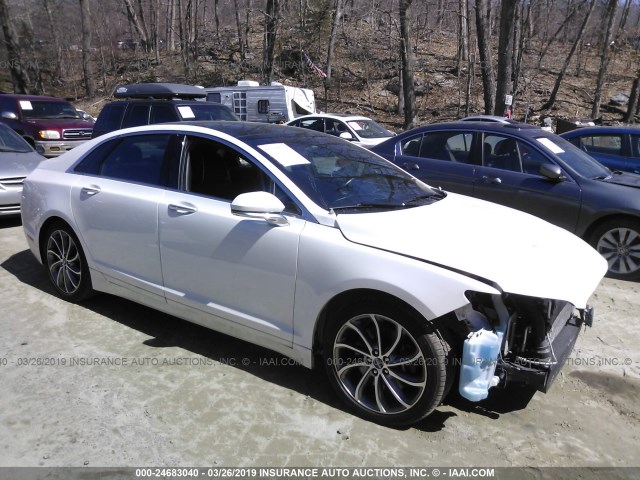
(521, 253)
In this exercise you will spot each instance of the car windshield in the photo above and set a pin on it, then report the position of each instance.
(369, 129)
(48, 109)
(574, 158)
(12, 142)
(211, 112)
(343, 177)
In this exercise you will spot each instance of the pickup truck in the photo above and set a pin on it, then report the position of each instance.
(51, 125)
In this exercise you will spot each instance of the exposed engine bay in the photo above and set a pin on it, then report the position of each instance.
(516, 338)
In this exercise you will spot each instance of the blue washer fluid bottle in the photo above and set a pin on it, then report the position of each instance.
(479, 359)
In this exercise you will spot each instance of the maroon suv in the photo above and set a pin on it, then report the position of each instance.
(52, 125)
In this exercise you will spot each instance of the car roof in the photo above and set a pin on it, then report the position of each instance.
(33, 98)
(488, 118)
(239, 130)
(514, 128)
(335, 116)
(601, 129)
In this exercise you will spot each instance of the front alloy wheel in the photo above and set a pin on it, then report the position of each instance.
(66, 264)
(385, 366)
(619, 244)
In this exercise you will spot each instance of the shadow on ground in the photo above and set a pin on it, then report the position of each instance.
(170, 331)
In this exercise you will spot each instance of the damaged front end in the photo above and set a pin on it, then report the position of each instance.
(516, 339)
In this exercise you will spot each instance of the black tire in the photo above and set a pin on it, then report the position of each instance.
(387, 364)
(618, 241)
(66, 264)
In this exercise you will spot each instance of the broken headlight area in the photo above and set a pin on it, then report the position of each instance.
(516, 339)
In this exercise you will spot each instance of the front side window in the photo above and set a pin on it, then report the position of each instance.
(10, 141)
(411, 146)
(507, 153)
(217, 170)
(368, 129)
(335, 127)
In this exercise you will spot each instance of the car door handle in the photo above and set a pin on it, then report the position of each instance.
(494, 180)
(412, 166)
(92, 190)
(182, 209)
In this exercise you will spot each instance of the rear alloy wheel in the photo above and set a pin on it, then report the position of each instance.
(66, 264)
(386, 364)
(619, 243)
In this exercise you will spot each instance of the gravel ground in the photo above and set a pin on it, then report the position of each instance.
(111, 384)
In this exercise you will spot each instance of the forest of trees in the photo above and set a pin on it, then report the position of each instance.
(82, 48)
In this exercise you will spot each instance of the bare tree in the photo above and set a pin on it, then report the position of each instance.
(605, 56)
(565, 66)
(504, 84)
(87, 66)
(484, 51)
(406, 56)
(271, 21)
(335, 21)
(138, 24)
(56, 40)
(19, 76)
(463, 32)
(630, 117)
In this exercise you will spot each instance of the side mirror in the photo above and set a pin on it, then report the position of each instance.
(347, 136)
(9, 115)
(259, 206)
(552, 172)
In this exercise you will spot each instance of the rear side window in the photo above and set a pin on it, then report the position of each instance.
(607, 144)
(109, 119)
(450, 146)
(151, 159)
(162, 112)
(137, 114)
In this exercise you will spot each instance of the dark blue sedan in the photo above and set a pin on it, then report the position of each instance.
(616, 147)
(526, 168)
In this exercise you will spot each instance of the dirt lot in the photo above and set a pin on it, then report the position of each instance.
(110, 383)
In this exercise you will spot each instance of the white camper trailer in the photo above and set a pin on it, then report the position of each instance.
(264, 103)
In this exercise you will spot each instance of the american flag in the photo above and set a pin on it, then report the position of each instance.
(313, 66)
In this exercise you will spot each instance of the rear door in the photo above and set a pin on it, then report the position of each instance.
(610, 149)
(115, 205)
(439, 158)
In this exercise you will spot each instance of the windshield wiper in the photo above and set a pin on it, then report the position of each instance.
(356, 206)
(437, 194)
(601, 177)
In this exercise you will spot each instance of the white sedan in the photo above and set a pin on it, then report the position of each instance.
(357, 129)
(320, 250)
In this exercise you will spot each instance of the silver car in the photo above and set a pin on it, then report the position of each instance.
(17, 160)
(318, 249)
